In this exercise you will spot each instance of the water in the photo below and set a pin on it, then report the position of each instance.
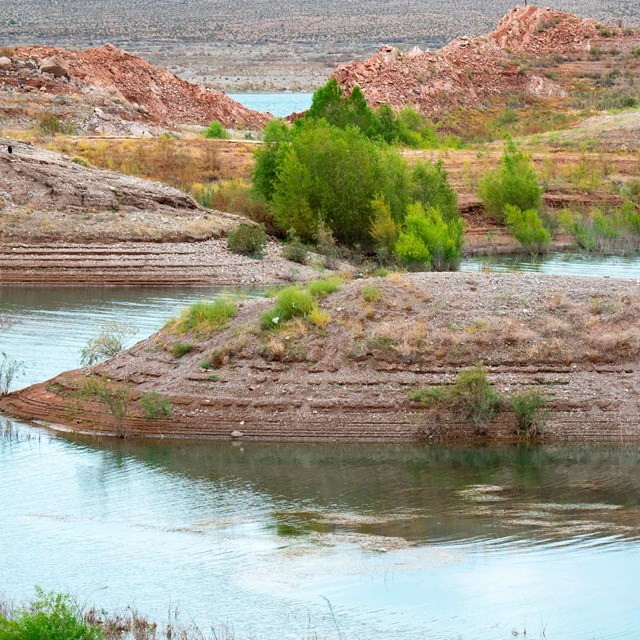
(279, 104)
(304, 541)
(557, 263)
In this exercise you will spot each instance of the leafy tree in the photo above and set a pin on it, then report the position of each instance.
(430, 186)
(384, 230)
(277, 136)
(526, 227)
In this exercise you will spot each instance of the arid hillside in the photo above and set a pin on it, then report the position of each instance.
(518, 58)
(248, 45)
(107, 90)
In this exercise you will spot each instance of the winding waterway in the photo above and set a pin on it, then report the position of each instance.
(305, 541)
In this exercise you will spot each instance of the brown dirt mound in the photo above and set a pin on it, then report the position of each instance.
(347, 375)
(468, 71)
(152, 94)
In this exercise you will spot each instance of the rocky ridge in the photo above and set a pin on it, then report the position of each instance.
(469, 71)
(116, 83)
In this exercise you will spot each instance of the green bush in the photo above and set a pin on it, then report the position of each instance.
(207, 315)
(428, 241)
(514, 182)
(323, 287)
(179, 349)
(268, 157)
(528, 408)
(526, 227)
(471, 398)
(384, 231)
(291, 302)
(248, 240)
(155, 405)
(50, 125)
(50, 617)
(216, 130)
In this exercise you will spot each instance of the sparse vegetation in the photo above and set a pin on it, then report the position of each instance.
(248, 240)
(291, 302)
(370, 293)
(112, 339)
(155, 405)
(50, 125)
(322, 288)
(528, 407)
(115, 397)
(207, 316)
(471, 398)
(10, 369)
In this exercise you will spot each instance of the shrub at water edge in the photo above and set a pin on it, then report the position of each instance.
(527, 228)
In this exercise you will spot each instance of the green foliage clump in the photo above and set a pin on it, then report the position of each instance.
(50, 616)
(115, 398)
(527, 228)
(322, 288)
(528, 408)
(291, 302)
(276, 137)
(216, 130)
(248, 240)
(207, 315)
(179, 349)
(329, 175)
(472, 397)
(156, 405)
(514, 182)
(430, 241)
(430, 186)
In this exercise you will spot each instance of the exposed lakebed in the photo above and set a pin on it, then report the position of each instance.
(397, 541)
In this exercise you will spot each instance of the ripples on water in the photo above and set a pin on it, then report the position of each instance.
(404, 542)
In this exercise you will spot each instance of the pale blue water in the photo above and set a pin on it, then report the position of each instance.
(279, 104)
(400, 542)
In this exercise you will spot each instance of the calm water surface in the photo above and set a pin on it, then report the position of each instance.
(293, 541)
(279, 104)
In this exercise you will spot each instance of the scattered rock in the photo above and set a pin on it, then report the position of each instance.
(5, 63)
(55, 66)
(237, 434)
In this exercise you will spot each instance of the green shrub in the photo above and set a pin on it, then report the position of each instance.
(291, 302)
(115, 398)
(323, 287)
(268, 157)
(428, 241)
(471, 398)
(370, 293)
(207, 315)
(155, 405)
(50, 617)
(248, 240)
(216, 130)
(10, 368)
(179, 349)
(514, 182)
(526, 227)
(528, 408)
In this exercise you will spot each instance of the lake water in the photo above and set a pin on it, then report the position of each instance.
(279, 104)
(284, 541)
(558, 263)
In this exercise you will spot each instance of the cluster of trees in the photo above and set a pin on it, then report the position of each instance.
(334, 170)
